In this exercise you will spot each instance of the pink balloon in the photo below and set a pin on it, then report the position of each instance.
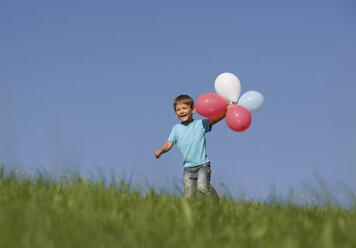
(210, 105)
(238, 118)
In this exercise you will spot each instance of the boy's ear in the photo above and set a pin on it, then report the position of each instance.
(193, 110)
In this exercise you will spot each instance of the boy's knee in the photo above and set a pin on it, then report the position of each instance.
(189, 192)
(204, 188)
(208, 191)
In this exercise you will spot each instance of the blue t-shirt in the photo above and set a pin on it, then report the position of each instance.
(190, 140)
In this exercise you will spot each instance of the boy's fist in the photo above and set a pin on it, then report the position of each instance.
(158, 153)
(231, 104)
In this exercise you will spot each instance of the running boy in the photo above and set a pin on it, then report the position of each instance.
(189, 135)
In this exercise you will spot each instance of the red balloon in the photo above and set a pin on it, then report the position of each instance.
(210, 105)
(238, 118)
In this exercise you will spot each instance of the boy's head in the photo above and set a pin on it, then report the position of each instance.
(183, 99)
(184, 108)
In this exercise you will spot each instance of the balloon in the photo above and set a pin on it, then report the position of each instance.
(252, 100)
(228, 86)
(210, 105)
(238, 118)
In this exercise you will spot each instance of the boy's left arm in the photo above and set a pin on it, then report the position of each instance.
(218, 118)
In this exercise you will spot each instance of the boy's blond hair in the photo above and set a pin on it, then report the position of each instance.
(183, 99)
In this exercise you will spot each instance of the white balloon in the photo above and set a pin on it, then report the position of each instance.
(252, 100)
(228, 86)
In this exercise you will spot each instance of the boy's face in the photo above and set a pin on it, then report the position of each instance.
(184, 112)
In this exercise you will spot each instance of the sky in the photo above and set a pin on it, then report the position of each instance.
(88, 86)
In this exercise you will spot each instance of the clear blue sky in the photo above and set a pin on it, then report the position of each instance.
(90, 84)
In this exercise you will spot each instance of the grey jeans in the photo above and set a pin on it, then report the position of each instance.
(197, 179)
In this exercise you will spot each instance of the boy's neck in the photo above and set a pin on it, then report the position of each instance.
(188, 121)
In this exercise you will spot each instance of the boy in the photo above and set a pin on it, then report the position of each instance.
(189, 135)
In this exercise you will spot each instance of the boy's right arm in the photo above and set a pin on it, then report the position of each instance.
(165, 148)
(216, 119)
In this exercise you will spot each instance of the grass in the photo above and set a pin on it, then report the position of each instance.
(38, 211)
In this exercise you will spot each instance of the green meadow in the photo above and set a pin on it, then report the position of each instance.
(39, 211)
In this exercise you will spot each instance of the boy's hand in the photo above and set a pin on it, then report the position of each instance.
(158, 153)
(231, 104)
(216, 119)
(165, 148)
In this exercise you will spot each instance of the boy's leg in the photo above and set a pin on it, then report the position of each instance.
(203, 183)
(190, 181)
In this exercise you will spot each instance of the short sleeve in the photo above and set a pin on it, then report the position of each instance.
(173, 136)
(206, 125)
